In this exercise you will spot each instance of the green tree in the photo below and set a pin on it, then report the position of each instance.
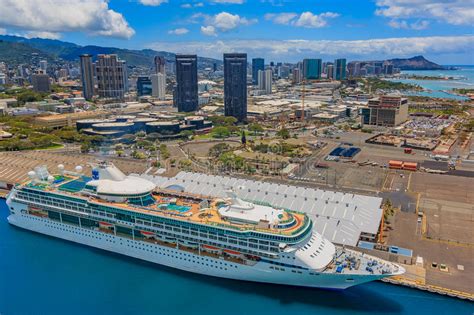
(186, 134)
(255, 128)
(86, 147)
(220, 132)
(229, 121)
(218, 149)
(243, 139)
(185, 164)
(283, 133)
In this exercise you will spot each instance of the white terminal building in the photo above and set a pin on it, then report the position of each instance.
(342, 218)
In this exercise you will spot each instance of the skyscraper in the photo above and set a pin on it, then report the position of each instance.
(235, 85)
(158, 83)
(187, 83)
(257, 64)
(330, 71)
(265, 80)
(40, 82)
(43, 65)
(111, 76)
(340, 69)
(87, 76)
(312, 69)
(144, 86)
(296, 75)
(160, 65)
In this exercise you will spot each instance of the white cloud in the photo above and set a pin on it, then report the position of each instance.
(457, 12)
(93, 17)
(48, 35)
(310, 20)
(153, 3)
(208, 30)
(298, 49)
(281, 18)
(225, 21)
(403, 24)
(179, 31)
(306, 19)
(221, 22)
(190, 5)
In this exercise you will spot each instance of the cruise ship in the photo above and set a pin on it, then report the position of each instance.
(221, 237)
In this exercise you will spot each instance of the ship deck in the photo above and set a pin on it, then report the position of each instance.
(175, 204)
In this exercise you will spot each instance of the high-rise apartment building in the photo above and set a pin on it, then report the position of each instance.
(388, 69)
(330, 71)
(265, 80)
(144, 86)
(87, 76)
(43, 65)
(186, 83)
(158, 83)
(296, 75)
(258, 64)
(111, 76)
(312, 69)
(160, 65)
(340, 69)
(40, 82)
(235, 85)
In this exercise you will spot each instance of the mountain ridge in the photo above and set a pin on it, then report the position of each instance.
(54, 48)
(70, 51)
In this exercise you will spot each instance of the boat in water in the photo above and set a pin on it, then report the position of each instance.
(222, 237)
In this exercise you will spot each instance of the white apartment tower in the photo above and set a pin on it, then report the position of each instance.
(265, 80)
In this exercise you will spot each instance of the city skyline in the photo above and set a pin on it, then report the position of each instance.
(275, 30)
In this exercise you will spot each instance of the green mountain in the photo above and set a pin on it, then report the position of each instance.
(50, 46)
(17, 53)
(68, 51)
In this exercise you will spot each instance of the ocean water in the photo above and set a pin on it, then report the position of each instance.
(463, 78)
(44, 275)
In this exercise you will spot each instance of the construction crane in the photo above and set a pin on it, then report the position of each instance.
(302, 100)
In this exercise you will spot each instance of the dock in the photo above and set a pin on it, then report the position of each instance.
(401, 280)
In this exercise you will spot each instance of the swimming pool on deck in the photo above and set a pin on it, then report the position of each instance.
(175, 207)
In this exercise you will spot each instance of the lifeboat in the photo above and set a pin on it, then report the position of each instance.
(105, 224)
(211, 249)
(188, 244)
(232, 253)
(147, 234)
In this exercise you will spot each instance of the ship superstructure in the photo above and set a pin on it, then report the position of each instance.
(224, 237)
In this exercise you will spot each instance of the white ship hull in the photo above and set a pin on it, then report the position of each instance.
(183, 260)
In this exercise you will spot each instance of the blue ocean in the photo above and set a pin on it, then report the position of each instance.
(462, 78)
(43, 275)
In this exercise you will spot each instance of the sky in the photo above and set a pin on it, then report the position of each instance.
(278, 30)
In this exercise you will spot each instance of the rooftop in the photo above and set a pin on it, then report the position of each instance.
(340, 217)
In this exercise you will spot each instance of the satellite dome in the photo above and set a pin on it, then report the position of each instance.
(31, 174)
(60, 167)
(78, 169)
(50, 179)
